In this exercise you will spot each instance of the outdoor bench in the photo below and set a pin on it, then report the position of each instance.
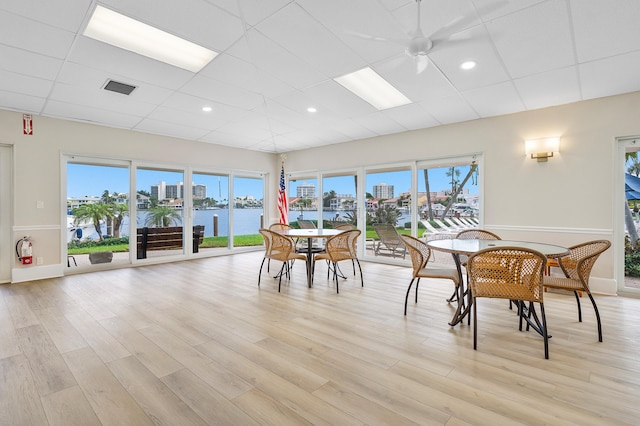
(162, 238)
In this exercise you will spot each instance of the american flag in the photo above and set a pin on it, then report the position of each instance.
(283, 205)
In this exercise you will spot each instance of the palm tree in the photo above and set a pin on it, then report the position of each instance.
(162, 216)
(94, 212)
(454, 195)
(118, 212)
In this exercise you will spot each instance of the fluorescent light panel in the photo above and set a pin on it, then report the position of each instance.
(127, 33)
(374, 89)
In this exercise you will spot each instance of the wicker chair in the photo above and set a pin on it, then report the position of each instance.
(389, 239)
(420, 253)
(281, 248)
(577, 267)
(279, 227)
(338, 248)
(519, 278)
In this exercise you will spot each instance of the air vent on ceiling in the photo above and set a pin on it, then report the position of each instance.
(114, 86)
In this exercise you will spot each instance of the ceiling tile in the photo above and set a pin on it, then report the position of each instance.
(603, 30)
(534, 40)
(18, 83)
(560, 87)
(68, 16)
(450, 109)
(29, 35)
(28, 63)
(21, 102)
(90, 114)
(170, 129)
(611, 76)
(495, 100)
(312, 43)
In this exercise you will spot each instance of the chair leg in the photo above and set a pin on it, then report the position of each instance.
(260, 273)
(579, 308)
(417, 285)
(475, 325)
(280, 279)
(406, 298)
(545, 334)
(354, 271)
(595, 308)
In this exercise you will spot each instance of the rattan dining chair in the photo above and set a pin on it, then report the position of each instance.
(577, 267)
(338, 248)
(519, 278)
(279, 227)
(420, 253)
(281, 248)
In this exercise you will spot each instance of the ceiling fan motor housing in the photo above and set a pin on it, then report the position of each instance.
(419, 46)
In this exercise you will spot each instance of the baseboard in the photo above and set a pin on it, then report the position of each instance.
(31, 273)
(607, 286)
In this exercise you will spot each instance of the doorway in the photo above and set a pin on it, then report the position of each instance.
(6, 247)
(627, 258)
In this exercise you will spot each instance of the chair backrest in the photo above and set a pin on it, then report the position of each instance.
(342, 246)
(277, 246)
(459, 223)
(279, 227)
(418, 251)
(446, 227)
(387, 233)
(306, 224)
(477, 234)
(512, 273)
(578, 263)
(345, 226)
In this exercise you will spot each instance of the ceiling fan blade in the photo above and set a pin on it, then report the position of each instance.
(422, 61)
(370, 37)
(461, 23)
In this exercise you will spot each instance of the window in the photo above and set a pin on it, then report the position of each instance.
(160, 196)
(248, 211)
(303, 200)
(97, 224)
(210, 194)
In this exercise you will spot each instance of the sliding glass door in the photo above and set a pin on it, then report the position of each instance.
(97, 221)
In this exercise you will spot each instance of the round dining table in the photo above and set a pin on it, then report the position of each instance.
(460, 247)
(310, 235)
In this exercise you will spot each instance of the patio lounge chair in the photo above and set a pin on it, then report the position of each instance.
(451, 228)
(433, 233)
(388, 240)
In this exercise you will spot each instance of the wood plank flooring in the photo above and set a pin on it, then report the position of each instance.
(198, 342)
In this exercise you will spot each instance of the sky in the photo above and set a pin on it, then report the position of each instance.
(91, 180)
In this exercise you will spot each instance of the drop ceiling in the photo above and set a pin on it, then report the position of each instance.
(279, 57)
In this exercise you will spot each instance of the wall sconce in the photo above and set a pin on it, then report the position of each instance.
(542, 149)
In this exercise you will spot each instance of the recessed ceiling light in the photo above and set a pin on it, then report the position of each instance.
(207, 108)
(468, 65)
(126, 33)
(374, 89)
(312, 109)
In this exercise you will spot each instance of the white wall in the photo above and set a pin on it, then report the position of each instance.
(567, 200)
(37, 173)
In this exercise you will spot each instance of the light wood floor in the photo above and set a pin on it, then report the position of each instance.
(198, 342)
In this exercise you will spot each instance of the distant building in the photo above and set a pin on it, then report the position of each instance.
(306, 190)
(162, 191)
(382, 190)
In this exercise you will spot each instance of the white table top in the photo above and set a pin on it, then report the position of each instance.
(468, 247)
(311, 233)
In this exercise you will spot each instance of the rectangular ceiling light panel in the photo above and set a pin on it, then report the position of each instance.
(127, 33)
(374, 89)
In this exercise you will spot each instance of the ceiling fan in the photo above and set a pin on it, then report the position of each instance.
(419, 45)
